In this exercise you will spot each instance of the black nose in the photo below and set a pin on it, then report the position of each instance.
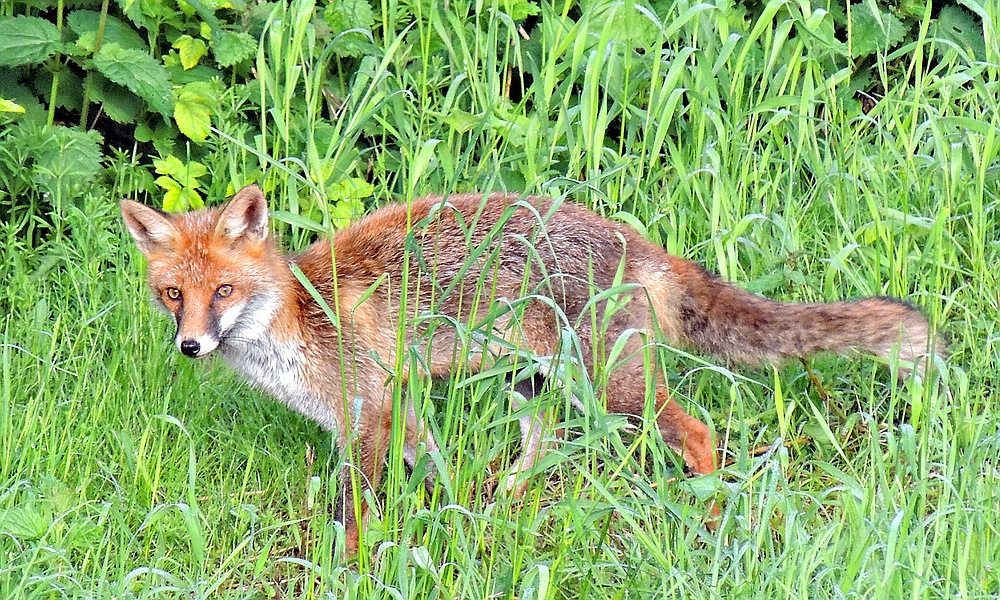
(190, 348)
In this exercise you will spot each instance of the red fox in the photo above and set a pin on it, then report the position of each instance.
(233, 292)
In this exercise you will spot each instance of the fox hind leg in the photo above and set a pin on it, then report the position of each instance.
(684, 434)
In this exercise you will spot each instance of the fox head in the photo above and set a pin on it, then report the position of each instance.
(214, 270)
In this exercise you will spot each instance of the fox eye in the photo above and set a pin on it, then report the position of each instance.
(224, 291)
(173, 293)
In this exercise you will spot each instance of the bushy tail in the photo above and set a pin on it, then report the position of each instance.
(738, 326)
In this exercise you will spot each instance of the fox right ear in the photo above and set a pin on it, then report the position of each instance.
(245, 216)
(150, 228)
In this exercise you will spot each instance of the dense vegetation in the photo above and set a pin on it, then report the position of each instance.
(804, 152)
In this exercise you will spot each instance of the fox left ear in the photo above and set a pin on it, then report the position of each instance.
(245, 216)
(151, 229)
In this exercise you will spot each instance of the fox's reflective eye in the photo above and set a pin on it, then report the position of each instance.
(224, 291)
(173, 293)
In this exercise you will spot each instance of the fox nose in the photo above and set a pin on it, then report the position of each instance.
(190, 348)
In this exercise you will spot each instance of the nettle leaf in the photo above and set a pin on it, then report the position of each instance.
(121, 105)
(345, 17)
(199, 74)
(349, 14)
(191, 50)
(140, 73)
(28, 521)
(86, 23)
(960, 27)
(231, 48)
(193, 110)
(133, 10)
(871, 32)
(70, 91)
(27, 40)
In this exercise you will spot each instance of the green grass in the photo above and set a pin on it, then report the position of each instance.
(128, 471)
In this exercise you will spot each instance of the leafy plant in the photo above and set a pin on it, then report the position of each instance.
(180, 182)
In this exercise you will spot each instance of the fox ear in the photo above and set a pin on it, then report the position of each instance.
(151, 229)
(245, 216)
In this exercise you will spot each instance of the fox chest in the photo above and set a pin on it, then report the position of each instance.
(278, 368)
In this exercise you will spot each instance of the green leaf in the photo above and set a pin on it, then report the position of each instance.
(462, 121)
(351, 189)
(345, 16)
(25, 522)
(871, 32)
(140, 73)
(10, 106)
(121, 105)
(178, 198)
(960, 27)
(626, 23)
(165, 137)
(342, 212)
(199, 74)
(913, 9)
(345, 200)
(180, 182)
(139, 12)
(349, 14)
(193, 112)
(231, 48)
(70, 91)
(519, 10)
(191, 50)
(173, 192)
(144, 133)
(27, 40)
(86, 23)
(172, 166)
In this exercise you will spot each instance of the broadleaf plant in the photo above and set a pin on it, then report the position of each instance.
(27, 40)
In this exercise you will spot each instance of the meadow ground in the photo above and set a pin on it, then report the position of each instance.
(128, 471)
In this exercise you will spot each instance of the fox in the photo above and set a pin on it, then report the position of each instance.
(428, 266)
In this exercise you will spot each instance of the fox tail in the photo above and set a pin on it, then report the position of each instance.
(738, 326)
